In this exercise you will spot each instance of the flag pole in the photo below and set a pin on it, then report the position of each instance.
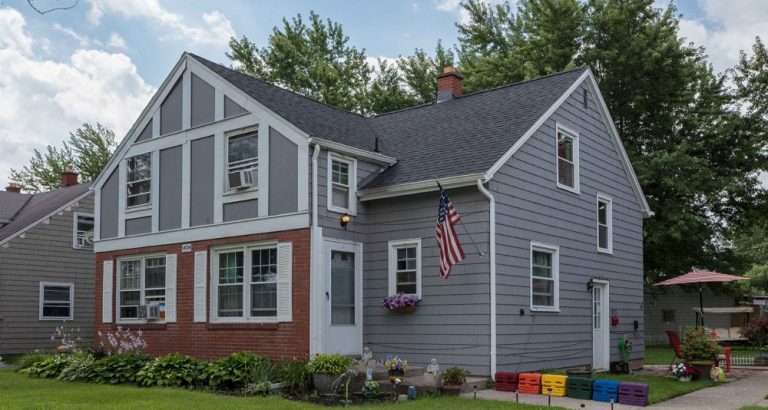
(461, 221)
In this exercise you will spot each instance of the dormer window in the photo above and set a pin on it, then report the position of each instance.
(341, 184)
(242, 161)
(139, 180)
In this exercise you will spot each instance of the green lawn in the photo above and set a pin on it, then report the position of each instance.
(754, 408)
(663, 354)
(661, 388)
(18, 391)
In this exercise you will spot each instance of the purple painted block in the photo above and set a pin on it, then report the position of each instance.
(635, 394)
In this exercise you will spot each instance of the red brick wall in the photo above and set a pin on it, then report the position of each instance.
(208, 340)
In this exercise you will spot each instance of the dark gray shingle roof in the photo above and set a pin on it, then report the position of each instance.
(457, 137)
(37, 206)
(11, 203)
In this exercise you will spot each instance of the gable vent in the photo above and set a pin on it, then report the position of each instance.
(585, 98)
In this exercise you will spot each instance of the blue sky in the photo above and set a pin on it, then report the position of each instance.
(103, 59)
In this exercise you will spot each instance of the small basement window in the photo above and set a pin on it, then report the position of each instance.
(57, 301)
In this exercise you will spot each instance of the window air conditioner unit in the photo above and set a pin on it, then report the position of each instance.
(242, 179)
(143, 311)
(153, 311)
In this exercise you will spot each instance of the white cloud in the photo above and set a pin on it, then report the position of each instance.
(116, 41)
(217, 28)
(43, 99)
(727, 28)
(448, 5)
(81, 40)
(454, 6)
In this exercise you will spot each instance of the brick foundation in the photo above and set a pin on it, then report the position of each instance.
(211, 340)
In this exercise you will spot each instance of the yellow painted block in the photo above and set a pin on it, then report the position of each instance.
(554, 384)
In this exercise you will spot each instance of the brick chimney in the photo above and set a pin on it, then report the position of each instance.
(450, 84)
(13, 187)
(68, 178)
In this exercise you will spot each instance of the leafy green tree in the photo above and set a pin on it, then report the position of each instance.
(388, 91)
(86, 152)
(420, 72)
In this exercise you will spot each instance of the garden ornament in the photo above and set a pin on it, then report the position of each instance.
(433, 367)
(368, 363)
(432, 375)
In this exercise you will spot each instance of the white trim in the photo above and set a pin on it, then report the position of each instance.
(198, 233)
(372, 157)
(219, 184)
(121, 199)
(316, 276)
(154, 189)
(561, 129)
(418, 187)
(96, 211)
(75, 216)
(246, 248)
(186, 183)
(392, 247)
(186, 100)
(554, 250)
(263, 169)
(41, 299)
(302, 160)
(492, 269)
(351, 179)
(48, 216)
(609, 221)
(118, 269)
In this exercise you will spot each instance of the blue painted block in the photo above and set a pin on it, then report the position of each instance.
(605, 390)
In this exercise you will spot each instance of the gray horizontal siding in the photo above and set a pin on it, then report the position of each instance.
(530, 207)
(45, 254)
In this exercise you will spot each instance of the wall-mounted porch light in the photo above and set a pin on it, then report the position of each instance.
(344, 220)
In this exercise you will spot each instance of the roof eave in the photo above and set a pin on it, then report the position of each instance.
(411, 188)
(360, 153)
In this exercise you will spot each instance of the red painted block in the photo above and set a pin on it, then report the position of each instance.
(506, 381)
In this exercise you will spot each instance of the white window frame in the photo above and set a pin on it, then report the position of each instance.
(393, 247)
(75, 217)
(41, 301)
(352, 166)
(554, 250)
(608, 219)
(560, 129)
(252, 130)
(247, 282)
(142, 287)
(152, 165)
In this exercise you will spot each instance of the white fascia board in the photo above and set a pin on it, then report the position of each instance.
(419, 187)
(46, 217)
(589, 77)
(369, 156)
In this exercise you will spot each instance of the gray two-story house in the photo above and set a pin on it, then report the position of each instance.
(46, 265)
(237, 215)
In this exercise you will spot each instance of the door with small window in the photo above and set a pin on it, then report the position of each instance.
(343, 297)
(600, 326)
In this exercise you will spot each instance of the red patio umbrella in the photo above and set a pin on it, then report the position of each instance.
(700, 276)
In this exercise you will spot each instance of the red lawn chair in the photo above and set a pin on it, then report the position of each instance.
(674, 341)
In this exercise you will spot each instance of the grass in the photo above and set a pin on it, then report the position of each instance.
(661, 388)
(754, 408)
(21, 392)
(663, 354)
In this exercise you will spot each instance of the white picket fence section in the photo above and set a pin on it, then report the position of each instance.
(741, 361)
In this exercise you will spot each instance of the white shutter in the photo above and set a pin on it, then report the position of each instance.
(201, 267)
(284, 281)
(106, 292)
(170, 288)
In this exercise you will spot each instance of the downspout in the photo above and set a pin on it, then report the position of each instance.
(492, 263)
(314, 278)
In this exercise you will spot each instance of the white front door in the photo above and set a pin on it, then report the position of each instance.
(343, 297)
(601, 336)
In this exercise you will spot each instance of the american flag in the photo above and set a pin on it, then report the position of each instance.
(447, 240)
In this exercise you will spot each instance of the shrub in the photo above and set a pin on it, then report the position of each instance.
(455, 375)
(173, 370)
(121, 341)
(697, 344)
(756, 330)
(329, 364)
(235, 371)
(49, 367)
(296, 376)
(78, 366)
(260, 379)
(67, 339)
(30, 359)
(117, 368)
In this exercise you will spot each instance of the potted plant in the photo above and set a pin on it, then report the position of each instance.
(396, 367)
(453, 379)
(400, 303)
(700, 350)
(326, 368)
(683, 373)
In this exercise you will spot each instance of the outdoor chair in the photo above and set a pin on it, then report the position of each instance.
(674, 341)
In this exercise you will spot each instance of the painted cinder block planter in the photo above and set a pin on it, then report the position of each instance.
(634, 394)
(580, 388)
(506, 381)
(554, 384)
(529, 383)
(605, 390)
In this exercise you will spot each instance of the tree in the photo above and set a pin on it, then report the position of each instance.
(388, 91)
(86, 152)
(420, 71)
(312, 59)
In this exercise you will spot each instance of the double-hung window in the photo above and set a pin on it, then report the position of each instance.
(139, 180)
(545, 287)
(405, 267)
(57, 301)
(245, 282)
(82, 237)
(141, 282)
(567, 159)
(341, 184)
(604, 224)
(242, 160)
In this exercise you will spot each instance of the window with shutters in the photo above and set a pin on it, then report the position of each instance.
(342, 186)
(57, 301)
(244, 283)
(545, 272)
(140, 282)
(567, 159)
(604, 224)
(405, 267)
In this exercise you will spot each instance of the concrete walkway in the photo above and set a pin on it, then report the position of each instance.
(729, 396)
(541, 400)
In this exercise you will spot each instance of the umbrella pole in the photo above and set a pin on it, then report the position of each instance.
(701, 307)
